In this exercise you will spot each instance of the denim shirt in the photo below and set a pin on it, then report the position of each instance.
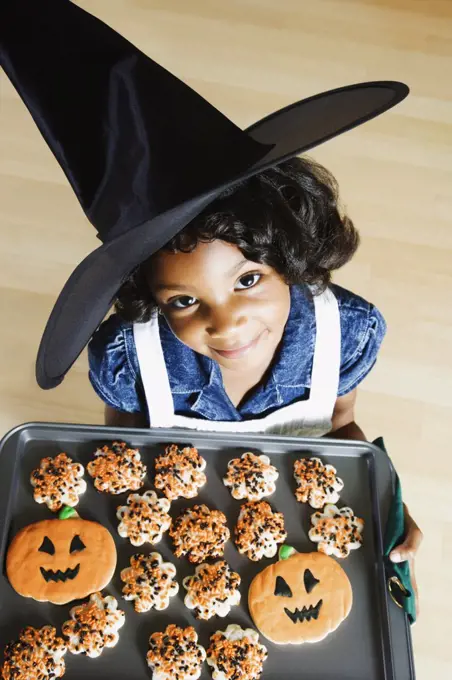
(196, 382)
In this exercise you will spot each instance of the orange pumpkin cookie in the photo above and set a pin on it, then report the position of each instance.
(301, 598)
(175, 653)
(59, 560)
(36, 655)
(199, 533)
(58, 481)
(236, 653)
(94, 625)
(117, 469)
(179, 473)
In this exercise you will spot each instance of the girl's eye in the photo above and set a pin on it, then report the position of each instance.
(248, 281)
(184, 302)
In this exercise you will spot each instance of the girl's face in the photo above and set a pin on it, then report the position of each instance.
(220, 304)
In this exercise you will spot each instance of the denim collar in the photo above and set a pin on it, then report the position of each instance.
(289, 375)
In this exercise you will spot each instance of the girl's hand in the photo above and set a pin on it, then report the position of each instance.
(408, 549)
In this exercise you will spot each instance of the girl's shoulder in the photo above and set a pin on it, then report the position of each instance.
(362, 331)
(113, 365)
(354, 309)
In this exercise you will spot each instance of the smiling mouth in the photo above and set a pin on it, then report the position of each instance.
(239, 351)
(305, 614)
(59, 575)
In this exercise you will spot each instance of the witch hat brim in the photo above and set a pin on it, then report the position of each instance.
(137, 211)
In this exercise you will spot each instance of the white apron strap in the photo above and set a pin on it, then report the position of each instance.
(154, 376)
(313, 417)
(327, 353)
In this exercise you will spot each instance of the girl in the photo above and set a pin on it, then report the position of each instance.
(249, 335)
(234, 326)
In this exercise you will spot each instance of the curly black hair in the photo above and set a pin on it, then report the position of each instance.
(286, 217)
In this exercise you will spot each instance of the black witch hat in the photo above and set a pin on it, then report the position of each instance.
(116, 122)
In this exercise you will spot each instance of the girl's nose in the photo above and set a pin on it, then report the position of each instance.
(225, 322)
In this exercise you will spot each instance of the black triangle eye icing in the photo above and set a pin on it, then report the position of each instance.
(47, 546)
(310, 581)
(77, 545)
(282, 588)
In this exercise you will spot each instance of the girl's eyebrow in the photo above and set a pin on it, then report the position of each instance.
(237, 266)
(180, 286)
(170, 286)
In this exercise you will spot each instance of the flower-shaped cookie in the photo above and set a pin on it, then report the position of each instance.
(175, 654)
(236, 653)
(251, 477)
(144, 519)
(57, 482)
(317, 484)
(117, 469)
(199, 533)
(212, 590)
(149, 582)
(179, 473)
(37, 654)
(94, 625)
(336, 531)
(259, 530)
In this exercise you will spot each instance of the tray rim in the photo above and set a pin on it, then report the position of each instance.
(367, 447)
(219, 436)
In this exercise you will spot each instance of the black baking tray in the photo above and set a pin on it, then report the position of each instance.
(373, 643)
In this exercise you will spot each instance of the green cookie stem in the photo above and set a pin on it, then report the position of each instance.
(286, 551)
(67, 513)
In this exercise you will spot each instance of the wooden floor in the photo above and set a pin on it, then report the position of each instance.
(250, 57)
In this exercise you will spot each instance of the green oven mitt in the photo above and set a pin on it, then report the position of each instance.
(398, 574)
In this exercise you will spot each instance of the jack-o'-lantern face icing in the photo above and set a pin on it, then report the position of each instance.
(60, 560)
(301, 598)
